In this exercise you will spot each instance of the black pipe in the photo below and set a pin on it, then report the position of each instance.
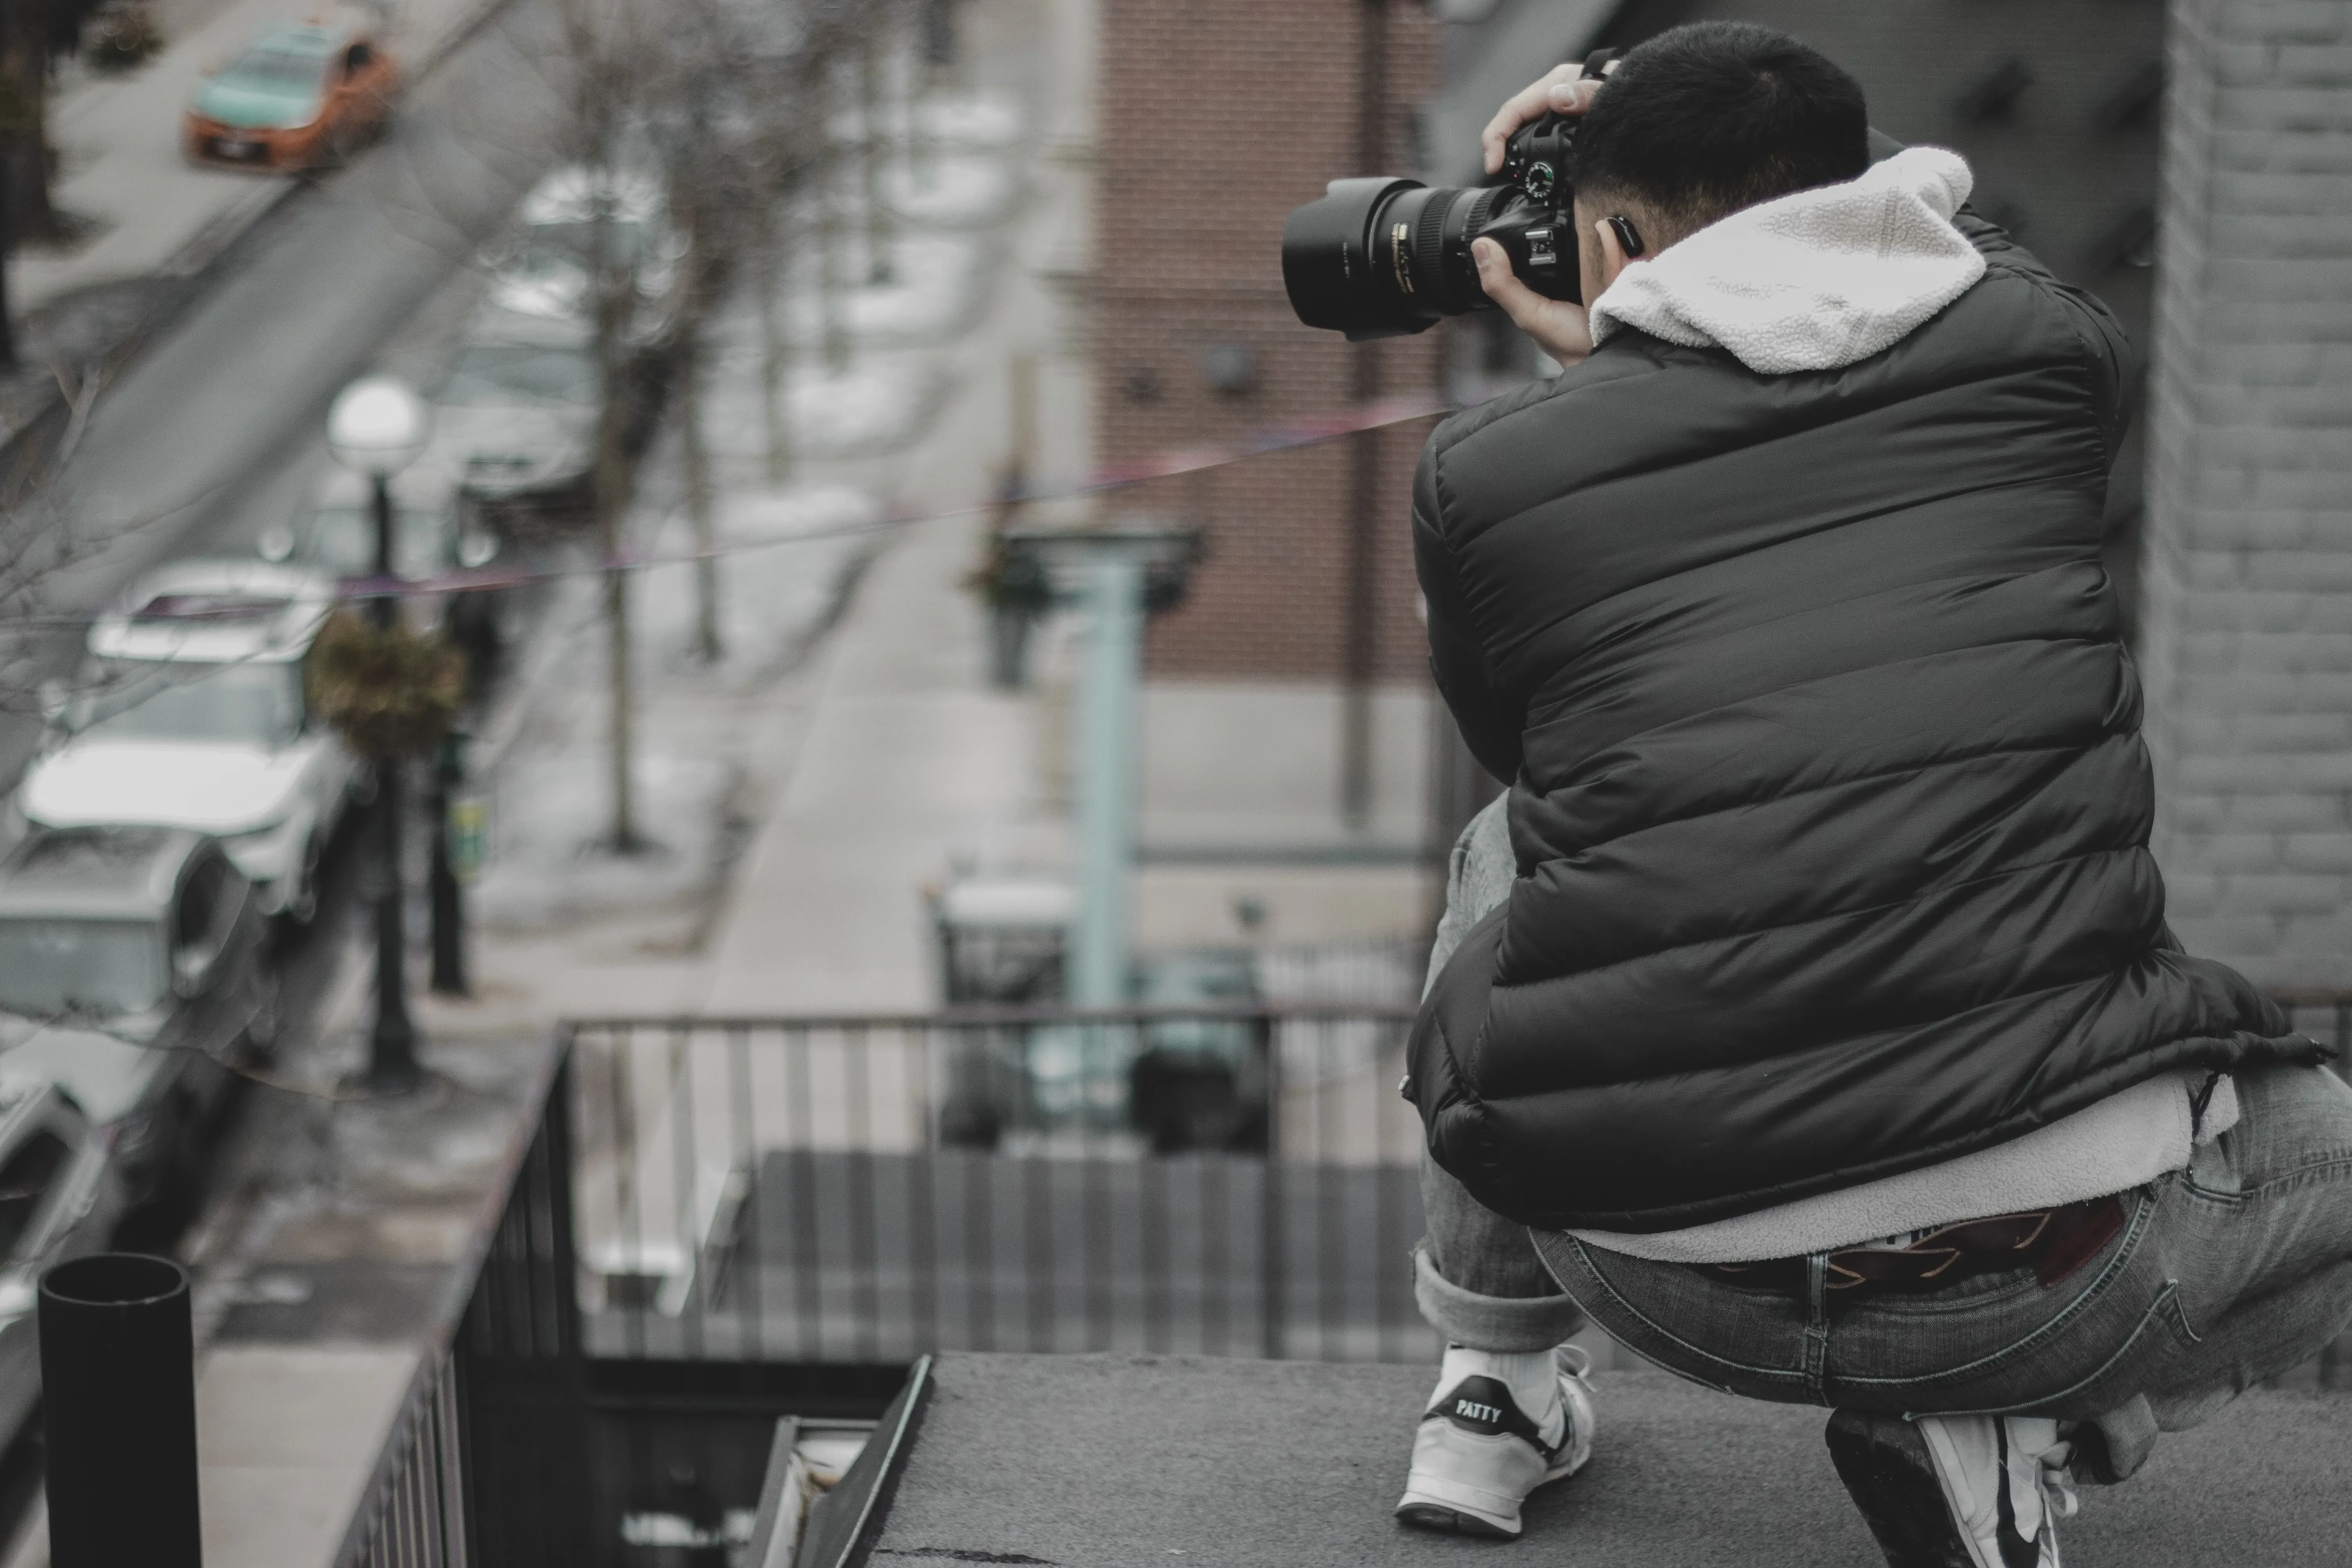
(119, 1390)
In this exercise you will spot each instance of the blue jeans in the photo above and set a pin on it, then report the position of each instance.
(2235, 1269)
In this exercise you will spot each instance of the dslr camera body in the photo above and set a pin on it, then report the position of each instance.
(1380, 258)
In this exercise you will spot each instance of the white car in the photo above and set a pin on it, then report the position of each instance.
(517, 418)
(190, 714)
(541, 272)
(338, 536)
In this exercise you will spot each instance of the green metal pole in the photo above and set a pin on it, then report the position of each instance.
(1104, 770)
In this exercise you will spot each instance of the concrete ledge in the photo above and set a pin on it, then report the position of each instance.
(1112, 1460)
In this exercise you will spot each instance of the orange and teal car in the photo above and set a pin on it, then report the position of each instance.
(299, 95)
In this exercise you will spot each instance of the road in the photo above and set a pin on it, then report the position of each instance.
(213, 429)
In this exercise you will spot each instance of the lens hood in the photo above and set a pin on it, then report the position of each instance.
(1328, 260)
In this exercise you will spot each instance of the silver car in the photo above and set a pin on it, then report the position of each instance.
(59, 1198)
(516, 421)
(134, 975)
(542, 272)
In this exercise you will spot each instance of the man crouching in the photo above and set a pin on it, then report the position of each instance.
(1805, 1017)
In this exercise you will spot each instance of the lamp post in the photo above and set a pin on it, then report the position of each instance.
(376, 428)
(445, 894)
(1108, 572)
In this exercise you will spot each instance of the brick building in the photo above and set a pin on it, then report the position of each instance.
(2247, 639)
(1287, 719)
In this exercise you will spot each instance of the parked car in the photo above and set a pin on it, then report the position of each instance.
(190, 714)
(337, 534)
(436, 528)
(60, 1197)
(1199, 1083)
(299, 95)
(542, 272)
(516, 419)
(134, 975)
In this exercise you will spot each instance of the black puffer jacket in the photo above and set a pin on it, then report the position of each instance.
(1830, 804)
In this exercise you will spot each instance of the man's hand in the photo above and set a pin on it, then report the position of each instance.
(1559, 92)
(1561, 329)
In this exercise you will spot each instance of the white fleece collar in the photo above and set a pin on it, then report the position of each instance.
(1813, 281)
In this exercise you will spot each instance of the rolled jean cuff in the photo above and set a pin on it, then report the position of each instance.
(1501, 1323)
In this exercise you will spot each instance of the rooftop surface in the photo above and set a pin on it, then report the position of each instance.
(1116, 1461)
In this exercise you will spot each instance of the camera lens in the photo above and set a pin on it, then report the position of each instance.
(1380, 258)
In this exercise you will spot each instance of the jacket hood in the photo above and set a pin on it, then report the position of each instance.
(1813, 281)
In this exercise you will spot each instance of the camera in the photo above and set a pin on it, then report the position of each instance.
(1380, 258)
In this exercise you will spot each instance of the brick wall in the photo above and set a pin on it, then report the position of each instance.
(2247, 639)
(1218, 117)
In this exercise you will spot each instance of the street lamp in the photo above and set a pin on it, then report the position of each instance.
(1117, 576)
(377, 428)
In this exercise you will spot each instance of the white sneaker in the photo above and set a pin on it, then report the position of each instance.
(2006, 1483)
(1958, 1491)
(1477, 1455)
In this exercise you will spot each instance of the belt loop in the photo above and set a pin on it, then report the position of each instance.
(1817, 1322)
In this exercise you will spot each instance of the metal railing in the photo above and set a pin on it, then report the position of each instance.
(492, 1424)
(1231, 1182)
(711, 1202)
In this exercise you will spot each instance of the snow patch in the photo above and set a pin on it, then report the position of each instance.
(933, 280)
(979, 120)
(546, 861)
(773, 596)
(878, 404)
(955, 192)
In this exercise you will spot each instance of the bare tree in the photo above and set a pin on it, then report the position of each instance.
(734, 116)
(29, 37)
(614, 50)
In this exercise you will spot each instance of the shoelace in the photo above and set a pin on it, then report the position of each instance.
(2058, 1481)
(2045, 1492)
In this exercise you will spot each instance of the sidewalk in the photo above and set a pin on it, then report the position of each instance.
(869, 771)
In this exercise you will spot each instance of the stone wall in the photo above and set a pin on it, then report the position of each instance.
(2247, 624)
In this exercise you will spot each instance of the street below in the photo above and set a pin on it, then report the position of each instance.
(213, 431)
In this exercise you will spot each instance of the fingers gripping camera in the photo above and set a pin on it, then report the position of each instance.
(1381, 256)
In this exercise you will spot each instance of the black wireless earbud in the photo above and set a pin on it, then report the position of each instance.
(1628, 237)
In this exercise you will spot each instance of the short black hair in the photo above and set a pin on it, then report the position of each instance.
(1710, 117)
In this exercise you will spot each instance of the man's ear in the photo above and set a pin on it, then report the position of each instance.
(1611, 253)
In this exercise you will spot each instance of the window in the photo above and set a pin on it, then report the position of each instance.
(495, 373)
(50, 967)
(26, 1179)
(273, 68)
(257, 703)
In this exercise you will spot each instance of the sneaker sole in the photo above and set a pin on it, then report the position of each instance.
(1439, 1516)
(1892, 1481)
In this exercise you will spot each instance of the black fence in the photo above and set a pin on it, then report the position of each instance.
(1237, 1181)
(490, 1429)
(713, 1222)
